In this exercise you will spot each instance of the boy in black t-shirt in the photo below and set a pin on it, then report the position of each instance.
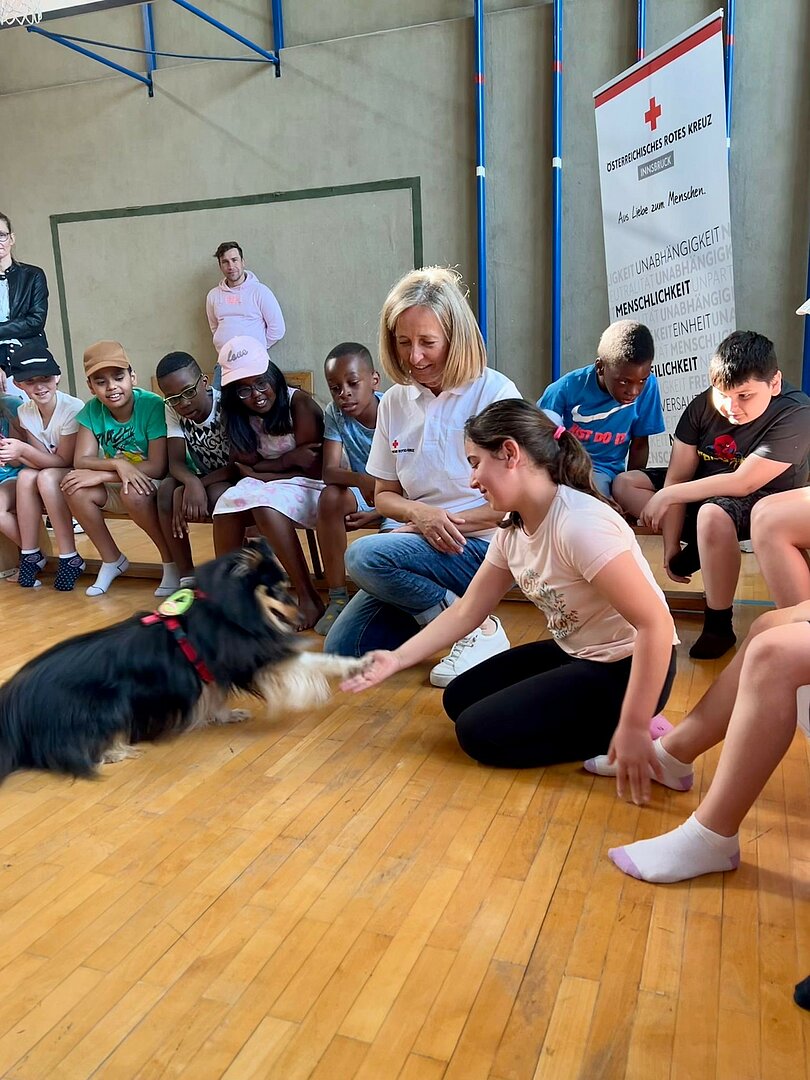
(745, 437)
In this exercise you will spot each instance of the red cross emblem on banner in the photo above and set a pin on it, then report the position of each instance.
(652, 114)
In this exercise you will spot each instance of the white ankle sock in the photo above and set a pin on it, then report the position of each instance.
(686, 852)
(188, 582)
(677, 774)
(170, 582)
(106, 576)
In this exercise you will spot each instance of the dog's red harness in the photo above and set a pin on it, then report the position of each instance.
(178, 604)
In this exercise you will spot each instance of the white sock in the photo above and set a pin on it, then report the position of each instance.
(686, 852)
(106, 576)
(67, 554)
(188, 582)
(677, 774)
(170, 582)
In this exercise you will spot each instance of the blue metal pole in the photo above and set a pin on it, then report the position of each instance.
(278, 26)
(806, 353)
(480, 164)
(730, 16)
(93, 56)
(149, 41)
(641, 32)
(227, 30)
(556, 174)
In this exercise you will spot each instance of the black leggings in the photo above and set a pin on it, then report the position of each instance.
(536, 705)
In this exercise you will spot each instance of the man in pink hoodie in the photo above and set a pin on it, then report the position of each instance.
(240, 305)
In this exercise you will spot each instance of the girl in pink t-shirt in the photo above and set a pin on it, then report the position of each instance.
(598, 684)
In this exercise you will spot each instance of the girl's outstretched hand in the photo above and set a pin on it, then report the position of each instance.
(636, 762)
(379, 665)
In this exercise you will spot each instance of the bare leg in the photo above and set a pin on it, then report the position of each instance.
(762, 724)
(48, 481)
(780, 530)
(229, 531)
(333, 506)
(8, 519)
(280, 531)
(705, 725)
(179, 546)
(29, 508)
(632, 491)
(143, 511)
(719, 555)
(85, 505)
(761, 728)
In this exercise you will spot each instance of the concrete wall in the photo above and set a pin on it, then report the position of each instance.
(359, 101)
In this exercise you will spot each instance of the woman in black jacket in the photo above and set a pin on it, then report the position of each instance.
(23, 301)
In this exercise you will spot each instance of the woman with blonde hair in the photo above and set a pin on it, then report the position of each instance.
(433, 352)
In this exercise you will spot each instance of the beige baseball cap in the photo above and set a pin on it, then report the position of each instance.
(105, 354)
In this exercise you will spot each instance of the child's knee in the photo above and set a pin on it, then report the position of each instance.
(137, 503)
(334, 502)
(27, 480)
(715, 526)
(49, 480)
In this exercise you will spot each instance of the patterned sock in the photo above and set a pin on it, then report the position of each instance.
(31, 562)
(71, 567)
(338, 599)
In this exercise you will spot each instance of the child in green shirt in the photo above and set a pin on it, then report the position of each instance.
(120, 460)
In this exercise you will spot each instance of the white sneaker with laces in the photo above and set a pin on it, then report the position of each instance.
(468, 652)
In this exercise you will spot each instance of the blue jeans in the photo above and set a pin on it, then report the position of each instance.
(404, 584)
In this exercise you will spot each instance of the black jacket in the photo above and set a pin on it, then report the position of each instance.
(28, 308)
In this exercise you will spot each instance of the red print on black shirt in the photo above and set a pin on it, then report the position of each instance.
(725, 448)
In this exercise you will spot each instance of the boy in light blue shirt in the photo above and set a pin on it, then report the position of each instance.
(613, 405)
(347, 502)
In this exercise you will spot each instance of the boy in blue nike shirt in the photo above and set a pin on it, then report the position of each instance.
(613, 405)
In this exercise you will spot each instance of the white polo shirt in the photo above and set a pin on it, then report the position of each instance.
(419, 440)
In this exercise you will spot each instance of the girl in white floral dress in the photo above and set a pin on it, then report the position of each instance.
(276, 438)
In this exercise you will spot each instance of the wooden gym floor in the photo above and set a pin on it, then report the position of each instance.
(344, 895)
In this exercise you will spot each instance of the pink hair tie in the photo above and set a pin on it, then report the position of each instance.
(558, 433)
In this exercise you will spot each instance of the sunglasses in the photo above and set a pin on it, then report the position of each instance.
(258, 387)
(184, 395)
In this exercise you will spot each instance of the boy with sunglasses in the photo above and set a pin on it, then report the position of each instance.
(199, 451)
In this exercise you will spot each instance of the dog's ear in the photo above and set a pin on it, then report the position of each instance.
(256, 557)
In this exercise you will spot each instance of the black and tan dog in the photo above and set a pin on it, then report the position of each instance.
(86, 700)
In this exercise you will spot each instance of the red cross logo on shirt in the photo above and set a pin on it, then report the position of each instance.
(394, 444)
(652, 114)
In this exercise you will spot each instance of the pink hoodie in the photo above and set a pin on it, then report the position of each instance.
(249, 310)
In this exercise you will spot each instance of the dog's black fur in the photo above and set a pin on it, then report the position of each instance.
(131, 683)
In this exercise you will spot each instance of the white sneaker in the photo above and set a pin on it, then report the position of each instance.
(747, 547)
(468, 652)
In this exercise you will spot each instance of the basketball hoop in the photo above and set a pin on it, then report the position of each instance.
(19, 12)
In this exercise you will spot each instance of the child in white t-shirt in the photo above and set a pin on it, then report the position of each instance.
(609, 667)
(48, 421)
